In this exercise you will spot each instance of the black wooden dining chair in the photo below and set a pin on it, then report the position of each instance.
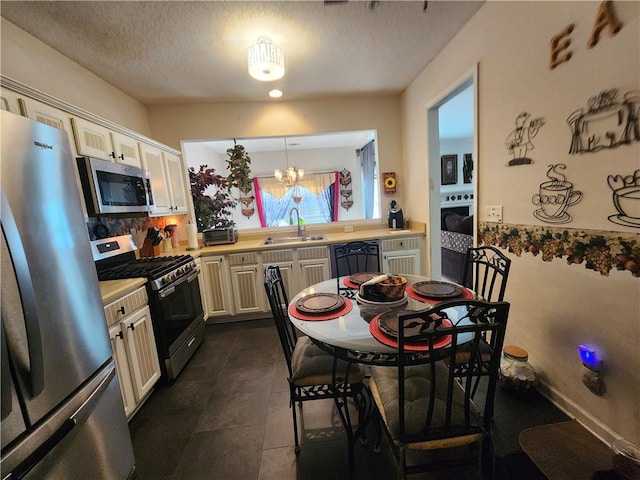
(354, 257)
(313, 373)
(423, 406)
(486, 270)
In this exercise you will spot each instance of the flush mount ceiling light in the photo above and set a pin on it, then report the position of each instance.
(266, 62)
(275, 93)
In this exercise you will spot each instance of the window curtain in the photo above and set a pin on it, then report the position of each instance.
(274, 199)
(368, 167)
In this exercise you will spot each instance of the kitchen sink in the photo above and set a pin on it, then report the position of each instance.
(281, 240)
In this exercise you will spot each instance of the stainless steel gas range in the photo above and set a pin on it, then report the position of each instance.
(174, 297)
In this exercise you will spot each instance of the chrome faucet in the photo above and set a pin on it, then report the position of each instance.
(295, 209)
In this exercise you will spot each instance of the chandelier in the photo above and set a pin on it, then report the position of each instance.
(266, 61)
(292, 175)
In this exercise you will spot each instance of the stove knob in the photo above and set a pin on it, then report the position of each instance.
(466, 197)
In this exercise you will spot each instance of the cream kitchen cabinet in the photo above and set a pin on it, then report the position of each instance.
(247, 282)
(10, 101)
(134, 347)
(43, 113)
(313, 265)
(97, 141)
(215, 286)
(203, 296)
(285, 259)
(167, 180)
(402, 256)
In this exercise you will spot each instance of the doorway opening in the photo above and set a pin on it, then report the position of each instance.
(453, 164)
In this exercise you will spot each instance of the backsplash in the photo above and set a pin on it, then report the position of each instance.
(124, 226)
(601, 251)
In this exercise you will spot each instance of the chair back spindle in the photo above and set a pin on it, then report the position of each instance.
(354, 257)
(486, 270)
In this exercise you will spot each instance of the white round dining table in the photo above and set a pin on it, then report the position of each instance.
(350, 332)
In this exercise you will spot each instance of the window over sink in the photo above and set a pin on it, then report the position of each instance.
(321, 156)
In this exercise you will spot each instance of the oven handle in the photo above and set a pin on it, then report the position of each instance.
(165, 292)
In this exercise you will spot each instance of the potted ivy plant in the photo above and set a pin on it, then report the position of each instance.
(239, 166)
(211, 210)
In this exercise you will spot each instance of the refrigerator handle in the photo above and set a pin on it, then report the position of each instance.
(81, 414)
(35, 382)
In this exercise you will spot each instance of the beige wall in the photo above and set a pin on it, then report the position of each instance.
(29, 61)
(555, 306)
(172, 124)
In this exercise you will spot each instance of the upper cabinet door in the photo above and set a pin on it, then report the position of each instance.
(176, 175)
(152, 160)
(126, 149)
(43, 113)
(93, 140)
(9, 101)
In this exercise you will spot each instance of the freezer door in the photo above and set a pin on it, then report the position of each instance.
(12, 421)
(86, 438)
(58, 339)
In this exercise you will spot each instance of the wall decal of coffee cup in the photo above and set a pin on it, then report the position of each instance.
(626, 199)
(519, 140)
(606, 122)
(555, 196)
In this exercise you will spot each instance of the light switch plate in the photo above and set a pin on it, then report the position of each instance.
(494, 213)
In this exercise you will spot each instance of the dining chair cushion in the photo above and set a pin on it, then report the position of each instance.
(418, 384)
(313, 366)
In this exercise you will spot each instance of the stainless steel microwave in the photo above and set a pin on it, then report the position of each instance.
(111, 188)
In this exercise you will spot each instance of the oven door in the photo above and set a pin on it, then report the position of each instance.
(179, 305)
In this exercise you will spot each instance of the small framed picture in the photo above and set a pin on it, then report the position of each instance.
(467, 168)
(449, 169)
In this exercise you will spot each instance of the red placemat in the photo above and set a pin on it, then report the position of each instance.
(294, 312)
(466, 293)
(356, 285)
(349, 283)
(417, 346)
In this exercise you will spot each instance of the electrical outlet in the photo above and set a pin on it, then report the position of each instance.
(494, 213)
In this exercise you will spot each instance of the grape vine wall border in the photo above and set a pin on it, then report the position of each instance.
(597, 250)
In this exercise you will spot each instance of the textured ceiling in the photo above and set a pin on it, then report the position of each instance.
(164, 52)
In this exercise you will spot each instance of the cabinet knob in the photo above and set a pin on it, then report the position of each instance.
(121, 310)
(132, 327)
(121, 156)
(113, 155)
(120, 335)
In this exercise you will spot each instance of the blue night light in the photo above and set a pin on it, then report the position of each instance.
(589, 358)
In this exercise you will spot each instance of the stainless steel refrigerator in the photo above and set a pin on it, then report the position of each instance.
(62, 413)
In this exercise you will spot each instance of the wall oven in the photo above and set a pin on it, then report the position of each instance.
(174, 297)
(111, 187)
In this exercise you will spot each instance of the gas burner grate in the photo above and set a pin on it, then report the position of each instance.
(149, 267)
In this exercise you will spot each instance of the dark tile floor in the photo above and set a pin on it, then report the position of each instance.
(227, 416)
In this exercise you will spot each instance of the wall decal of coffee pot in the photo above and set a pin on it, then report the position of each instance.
(555, 196)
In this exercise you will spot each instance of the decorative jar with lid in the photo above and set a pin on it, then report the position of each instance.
(516, 373)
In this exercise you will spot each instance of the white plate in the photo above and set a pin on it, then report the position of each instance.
(395, 303)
